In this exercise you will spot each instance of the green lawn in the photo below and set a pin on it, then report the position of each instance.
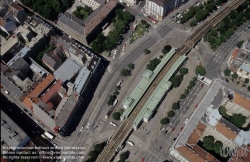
(139, 31)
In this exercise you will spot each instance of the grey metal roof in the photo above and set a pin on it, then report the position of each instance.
(10, 129)
(72, 22)
(19, 63)
(67, 109)
(81, 80)
(21, 54)
(12, 88)
(67, 70)
(230, 125)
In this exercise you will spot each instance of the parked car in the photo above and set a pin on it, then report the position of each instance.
(114, 124)
(174, 140)
(186, 121)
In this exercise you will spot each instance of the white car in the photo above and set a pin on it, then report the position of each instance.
(81, 129)
(112, 123)
(115, 52)
(113, 57)
(88, 125)
(131, 143)
(186, 121)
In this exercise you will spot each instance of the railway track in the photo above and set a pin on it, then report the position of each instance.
(126, 127)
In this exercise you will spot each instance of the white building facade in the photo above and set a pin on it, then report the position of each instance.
(160, 8)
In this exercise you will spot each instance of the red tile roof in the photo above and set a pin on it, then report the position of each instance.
(234, 55)
(41, 87)
(52, 91)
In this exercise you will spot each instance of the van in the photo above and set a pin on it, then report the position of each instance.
(131, 143)
(114, 124)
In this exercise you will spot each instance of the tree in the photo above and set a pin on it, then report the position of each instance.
(125, 72)
(166, 49)
(183, 71)
(201, 14)
(176, 81)
(120, 26)
(117, 88)
(193, 23)
(217, 147)
(238, 120)
(233, 14)
(127, 17)
(118, 13)
(99, 147)
(116, 116)
(111, 99)
(223, 112)
(192, 83)
(244, 85)
(214, 32)
(227, 72)
(164, 121)
(175, 106)
(93, 154)
(182, 96)
(200, 70)
(186, 92)
(143, 22)
(208, 142)
(210, 6)
(153, 63)
(239, 44)
(147, 25)
(131, 66)
(234, 75)
(248, 88)
(124, 156)
(246, 80)
(171, 114)
(146, 51)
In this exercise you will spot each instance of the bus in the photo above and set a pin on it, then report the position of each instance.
(49, 135)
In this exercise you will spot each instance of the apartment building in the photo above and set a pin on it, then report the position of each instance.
(85, 31)
(238, 105)
(160, 8)
(10, 16)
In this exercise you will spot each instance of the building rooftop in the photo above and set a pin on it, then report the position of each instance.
(213, 116)
(11, 133)
(22, 53)
(51, 91)
(81, 80)
(53, 62)
(72, 22)
(197, 133)
(19, 63)
(6, 45)
(161, 3)
(67, 70)
(42, 86)
(93, 63)
(98, 15)
(67, 108)
(243, 138)
(242, 101)
(225, 131)
(12, 88)
(189, 154)
(245, 67)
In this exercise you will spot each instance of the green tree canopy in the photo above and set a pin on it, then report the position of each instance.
(143, 22)
(116, 116)
(164, 121)
(182, 96)
(124, 156)
(131, 66)
(175, 106)
(208, 142)
(246, 80)
(125, 72)
(234, 75)
(239, 44)
(248, 88)
(171, 114)
(146, 51)
(200, 70)
(227, 72)
(166, 49)
(176, 81)
(238, 120)
(217, 147)
(153, 63)
(183, 71)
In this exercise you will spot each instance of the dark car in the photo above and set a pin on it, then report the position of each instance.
(226, 80)
(174, 140)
